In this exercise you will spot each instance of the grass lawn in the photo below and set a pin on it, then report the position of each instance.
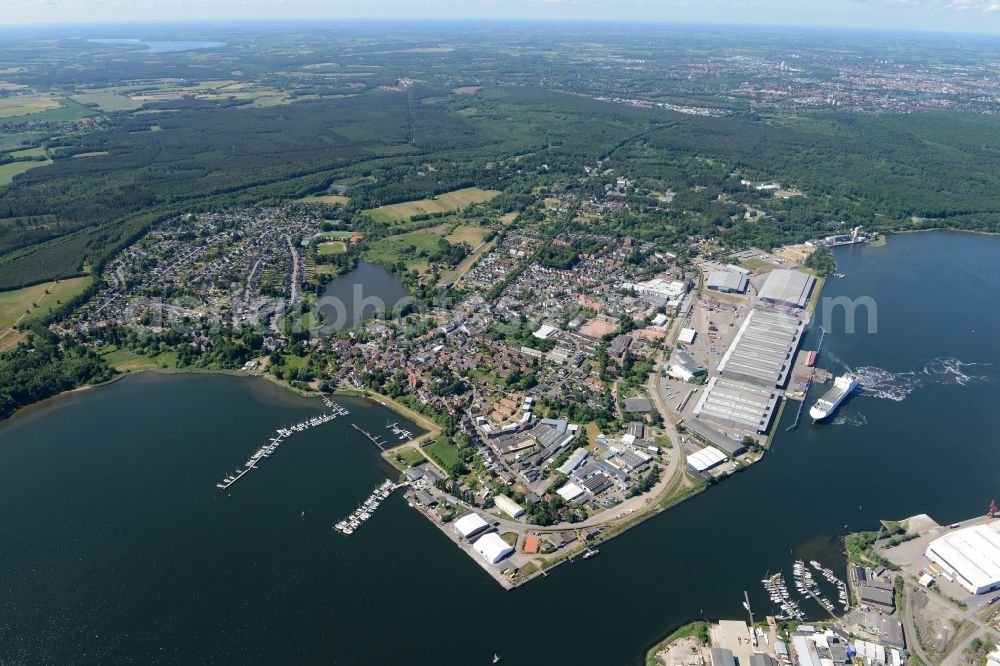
(125, 360)
(332, 247)
(22, 105)
(338, 235)
(466, 234)
(443, 203)
(409, 456)
(293, 361)
(11, 169)
(107, 101)
(324, 199)
(444, 452)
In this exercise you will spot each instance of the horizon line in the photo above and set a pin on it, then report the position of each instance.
(497, 20)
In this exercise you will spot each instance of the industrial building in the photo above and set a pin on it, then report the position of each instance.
(575, 460)
(509, 506)
(719, 440)
(706, 459)
(687, 335)
(970, 555)
(786, 288)
(763, 349)
(492, 547)
(570, 491)
(735, 404)
(470, 525)
(727, 282)
(682, 366)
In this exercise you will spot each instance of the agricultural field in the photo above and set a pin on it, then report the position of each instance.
(443, 203)
(467, 234)
(38, 151)
(11, 169)
(107, 101)
(34, 301)
(23, 105)
(338, 199)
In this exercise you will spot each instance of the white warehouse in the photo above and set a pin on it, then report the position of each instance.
(470, 525)
(970, 555)
(492, 547)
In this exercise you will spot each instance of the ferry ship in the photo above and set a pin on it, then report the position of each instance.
(827, 405)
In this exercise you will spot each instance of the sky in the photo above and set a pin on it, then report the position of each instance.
(982, 16)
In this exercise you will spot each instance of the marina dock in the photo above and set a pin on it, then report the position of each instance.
(404, 435)
(283, 434)
(375, 439)
(367, 508)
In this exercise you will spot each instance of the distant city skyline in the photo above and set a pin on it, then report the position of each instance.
(979, 16)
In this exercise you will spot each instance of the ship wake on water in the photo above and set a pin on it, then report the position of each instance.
(881, 383)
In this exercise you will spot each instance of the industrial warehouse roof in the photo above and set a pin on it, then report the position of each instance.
(492, 547)
(470, 524)
(726, 281)
(787, 287)
(508, 506)
(972, 554)
(705, 459)
(762, 350)
(736, 404)
(714, 437)
(570, 491)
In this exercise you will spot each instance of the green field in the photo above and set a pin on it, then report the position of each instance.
(412, 248)
(34, 302)
(125, 360)
(107, 101)
(11, 169)
(23, 105)
(444, 452)
(443, 203)
(337, 235)
(333, 247)
(38, 151)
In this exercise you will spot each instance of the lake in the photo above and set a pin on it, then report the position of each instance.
(118, 548)
(171, 46)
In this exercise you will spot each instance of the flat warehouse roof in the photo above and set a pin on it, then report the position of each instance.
(787, 286)
(762, 350)
(737, 404)
(973, 553)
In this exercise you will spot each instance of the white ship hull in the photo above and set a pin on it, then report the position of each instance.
(828, 404)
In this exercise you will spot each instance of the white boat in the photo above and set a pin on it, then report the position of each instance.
(827, 405)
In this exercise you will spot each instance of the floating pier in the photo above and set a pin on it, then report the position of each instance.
(404, 435)
(778, 591)
(367, 508)
(374, 438)
(282, 435)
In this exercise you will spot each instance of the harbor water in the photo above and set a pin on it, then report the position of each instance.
(118, 548)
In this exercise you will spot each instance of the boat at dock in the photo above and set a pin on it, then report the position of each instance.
(367, 508)
(282, 434)
(827, 405)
